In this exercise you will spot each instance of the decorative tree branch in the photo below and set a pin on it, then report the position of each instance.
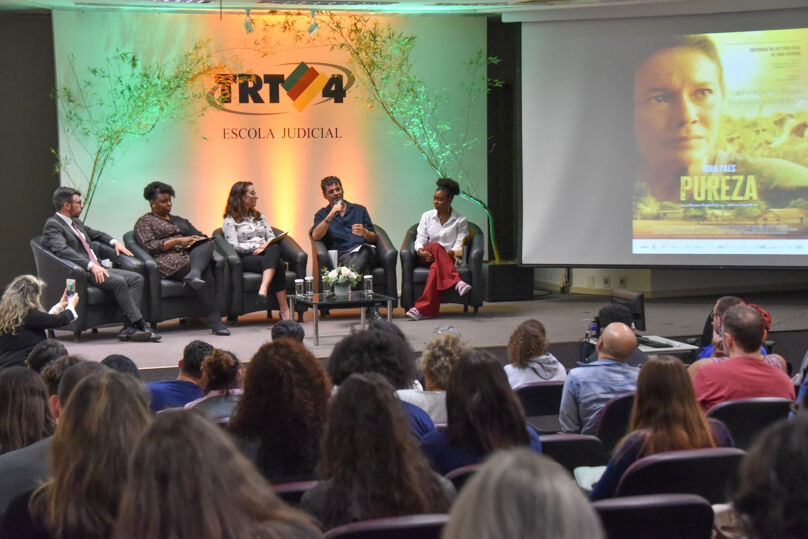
(381, 60)
(123, 100)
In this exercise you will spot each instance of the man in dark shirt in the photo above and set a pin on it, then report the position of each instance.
(346, 227)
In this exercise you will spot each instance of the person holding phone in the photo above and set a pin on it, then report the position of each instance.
(180, 250)
(23, 321)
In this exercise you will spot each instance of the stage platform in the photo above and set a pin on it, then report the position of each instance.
(565, 316)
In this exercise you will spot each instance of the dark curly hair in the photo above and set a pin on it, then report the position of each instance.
(235, 207)
(371, 457)
(284, 407)
(155, 189)
(451, 187)
(373, 350)
(771, 496)
(193, 355)
(220, 371)
(483, 411)
(527, 340)
(43, 353)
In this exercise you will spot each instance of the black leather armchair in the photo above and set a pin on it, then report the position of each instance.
(169, 299)
(413, 276)
(96, 307)
(384, 272)
(243, 295)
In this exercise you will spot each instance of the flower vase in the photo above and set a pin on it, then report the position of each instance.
(342, 289)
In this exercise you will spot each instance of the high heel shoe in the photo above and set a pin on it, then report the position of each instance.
(194, 282)
(222, 331)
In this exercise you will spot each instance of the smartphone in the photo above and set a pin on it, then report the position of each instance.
(70, 285)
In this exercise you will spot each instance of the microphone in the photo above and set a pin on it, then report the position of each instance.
(339, 202)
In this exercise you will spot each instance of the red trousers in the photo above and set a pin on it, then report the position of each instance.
(442, 275)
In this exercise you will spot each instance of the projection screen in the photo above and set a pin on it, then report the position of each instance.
(667, 141)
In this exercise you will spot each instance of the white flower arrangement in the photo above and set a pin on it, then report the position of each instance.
(341, 275)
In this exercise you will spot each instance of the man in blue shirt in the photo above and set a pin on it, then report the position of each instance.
(589, 386)
(179, 392)
(347, 228)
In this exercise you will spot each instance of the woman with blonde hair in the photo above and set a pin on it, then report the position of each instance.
(530, 360)
(25, 416)
(98, 428)
(518, 493)
(666, 417)
(188, 481)
(440, 355)
(23, 321)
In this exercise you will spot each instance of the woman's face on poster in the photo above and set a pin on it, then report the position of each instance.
(677, 107)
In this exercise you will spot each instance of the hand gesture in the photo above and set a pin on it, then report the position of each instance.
(358, 229)
(426, 256)
(73, 300)
(99, 273)
(261, 248)
(120, 248)
(63, 300)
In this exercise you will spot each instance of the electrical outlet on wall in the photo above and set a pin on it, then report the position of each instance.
(622, 281)
(606, 281)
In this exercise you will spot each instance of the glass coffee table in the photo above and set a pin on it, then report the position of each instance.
(354, 299)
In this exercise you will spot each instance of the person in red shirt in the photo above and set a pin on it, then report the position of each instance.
(745, 375)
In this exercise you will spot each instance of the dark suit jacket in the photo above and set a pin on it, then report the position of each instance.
(62, 241)
(23, 470)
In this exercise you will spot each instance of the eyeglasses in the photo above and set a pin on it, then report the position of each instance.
(443, 330)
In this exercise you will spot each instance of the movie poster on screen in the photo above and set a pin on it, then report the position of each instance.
(721, 150)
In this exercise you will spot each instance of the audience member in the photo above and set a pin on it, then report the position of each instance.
(745, 374)
(589, 386)
(281, 415)
(517, 493)
(121, 363)
(288, 329)
(371, 466)
(666, 417)
(614, 312)
(24, 414)
(771, 496)
(220, 386)
(24, 469)
(716, 346)
(52, 375)
(439, 356)
(179, 392)
(23, 321)
(530, 360)
(43, 353)
(103, 418)
(384, 353)
(719, 355)
(484, 415)
(188, 481)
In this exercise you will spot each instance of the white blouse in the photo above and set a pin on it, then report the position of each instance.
(449, 235)
(247, 235)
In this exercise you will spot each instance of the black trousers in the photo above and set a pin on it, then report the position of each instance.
(199, 265)
(270, 258)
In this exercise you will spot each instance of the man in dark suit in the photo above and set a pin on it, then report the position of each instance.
(67, 237)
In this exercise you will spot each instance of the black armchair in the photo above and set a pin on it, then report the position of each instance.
(384, 272)
(168, 299)
(243, 297)
(413, 276)
(96, 307)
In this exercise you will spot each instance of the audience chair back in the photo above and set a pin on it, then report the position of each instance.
(745, 418)
(661, 516)
(573, 450)
(291, 493)
(706, 472)
(169, 299)
(385, 280)
(243, 295)
(406, 527)
(460, 476)
(614, 420)
(541, 401)
(413, 275)
(97, 308)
